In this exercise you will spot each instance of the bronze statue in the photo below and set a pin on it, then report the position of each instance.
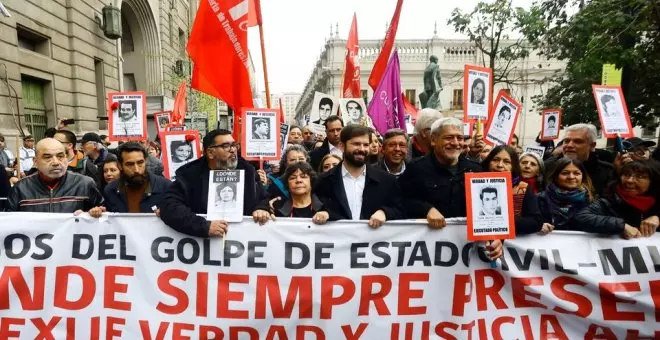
(432, 85)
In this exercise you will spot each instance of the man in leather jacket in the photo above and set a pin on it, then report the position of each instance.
(53, 188)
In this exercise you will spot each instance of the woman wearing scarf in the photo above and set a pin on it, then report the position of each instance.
(569, 192)
(293, 154)
(531, 171)
(528, 218)
(632, 210)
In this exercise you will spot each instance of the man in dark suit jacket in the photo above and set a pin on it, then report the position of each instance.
(333, 127)
(357, 191)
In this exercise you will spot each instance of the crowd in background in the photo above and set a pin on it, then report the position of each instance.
(348, 173)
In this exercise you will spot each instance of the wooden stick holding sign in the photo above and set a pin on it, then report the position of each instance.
(260, 139)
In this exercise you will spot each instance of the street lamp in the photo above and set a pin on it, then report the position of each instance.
(110, 23)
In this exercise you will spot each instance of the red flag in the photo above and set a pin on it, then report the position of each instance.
(254, 13)
(179, 110)
(281, 112)
(381, 63)
(409, 108)
(352, 70)
(218, 48)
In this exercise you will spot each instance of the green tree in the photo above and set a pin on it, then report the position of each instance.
(588, 34)
(496, 31)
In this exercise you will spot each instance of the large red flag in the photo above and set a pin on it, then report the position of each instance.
(179, 110)
(384, 56)
(409, 108)
(254, 13)
(218, 48)
(352, 70)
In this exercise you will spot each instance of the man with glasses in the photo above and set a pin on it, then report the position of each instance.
(395, 151)
(188, 195)
(638, 148)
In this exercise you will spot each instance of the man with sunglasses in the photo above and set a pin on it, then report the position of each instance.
(188, 195)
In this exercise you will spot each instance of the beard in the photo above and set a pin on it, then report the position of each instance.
(136, 180)
(229, 164)
(349, 157)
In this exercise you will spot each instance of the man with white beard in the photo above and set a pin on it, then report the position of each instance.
(188, 195)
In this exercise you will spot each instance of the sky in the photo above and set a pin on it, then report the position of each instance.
(295, 31)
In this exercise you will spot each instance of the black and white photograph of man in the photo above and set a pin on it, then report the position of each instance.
(478, 91)
(551, 123)
(503, 117)
(128, 117)
(490, 204)
(323, 107)
(260, 128)
(609, 105)
(353, 112)
(325, 110)
(127, 110)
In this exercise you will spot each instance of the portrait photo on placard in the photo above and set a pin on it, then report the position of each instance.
(128, 117)
(612, 111)
(477, 92)
(162, 120)
(178, 150)
(503, 120)
(551, 121)
(262, 134)
(490, 210)
(323, 107)
(225, 198)
(354, 111)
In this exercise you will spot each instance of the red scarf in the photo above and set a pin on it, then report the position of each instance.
(641, 203)
(533, 184)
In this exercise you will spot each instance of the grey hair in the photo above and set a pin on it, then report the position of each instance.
(448, 121)
(294, 147)
(592, 133)
(426, 118)
(539, 160)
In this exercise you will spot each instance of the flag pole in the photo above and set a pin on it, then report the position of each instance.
(263, 60)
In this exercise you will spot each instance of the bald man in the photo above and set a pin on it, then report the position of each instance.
(54, 189)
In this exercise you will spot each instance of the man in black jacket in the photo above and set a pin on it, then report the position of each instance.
(357, 191)
(333, 127)
(188, 195)
(78, 163)
(580, 143)
(53, 188)
(136, 190)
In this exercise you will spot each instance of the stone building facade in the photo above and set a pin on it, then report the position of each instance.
(61, 65)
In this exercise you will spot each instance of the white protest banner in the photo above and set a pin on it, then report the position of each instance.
(131, 277)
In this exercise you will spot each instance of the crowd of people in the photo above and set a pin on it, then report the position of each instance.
(349, 173)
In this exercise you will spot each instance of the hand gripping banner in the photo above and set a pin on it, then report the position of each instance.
(131, 277)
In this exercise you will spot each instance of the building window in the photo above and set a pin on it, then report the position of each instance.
(126, 36)
(412, 96)
(182, 43)
(457, 102)
(365, 95)
(99, 80)
(34, 106)
(171, 25)
(33, 41)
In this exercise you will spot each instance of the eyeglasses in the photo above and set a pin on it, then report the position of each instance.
(225, 146)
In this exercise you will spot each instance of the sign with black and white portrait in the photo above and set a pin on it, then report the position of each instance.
(612, 111)
(550, 123)
(127, 117)
(354, 111)
(502, 121)
(260, 135)
(225, 198)
(162, 120)
(477, 94)
(323, 107)
(179, 148)
(489, 203)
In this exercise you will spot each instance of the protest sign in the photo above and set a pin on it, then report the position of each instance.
(127, 119)
(226, 191)
(354, 111)
(179, 148)
(284, 137)
(612, 111)
(477, 94)
(502, 120)
(550, 123)
(489, 205)
(318, 129)
(131, 277)
(323, 106)
(162, 120)
(260, 137)
(535, 149)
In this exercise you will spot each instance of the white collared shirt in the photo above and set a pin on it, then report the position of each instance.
(354, 187)
(403, 168)
(336, 151)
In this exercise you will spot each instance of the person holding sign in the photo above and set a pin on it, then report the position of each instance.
(355, 190)
(528, 216)
(633, 210)
(188, 195)
(569, 192)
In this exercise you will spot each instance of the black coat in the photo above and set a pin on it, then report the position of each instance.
(188, 196)
(316, 156)
(609, 216)
(4, 187)
(601, 173)
(115, 196)
(530, 220)
(427, 184)
(561, 220)
(381, 191)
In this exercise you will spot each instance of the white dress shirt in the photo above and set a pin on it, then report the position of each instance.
(27, 158)
(354, 187)
(336, 151)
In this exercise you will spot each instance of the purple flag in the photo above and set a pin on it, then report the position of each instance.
(386, 107)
